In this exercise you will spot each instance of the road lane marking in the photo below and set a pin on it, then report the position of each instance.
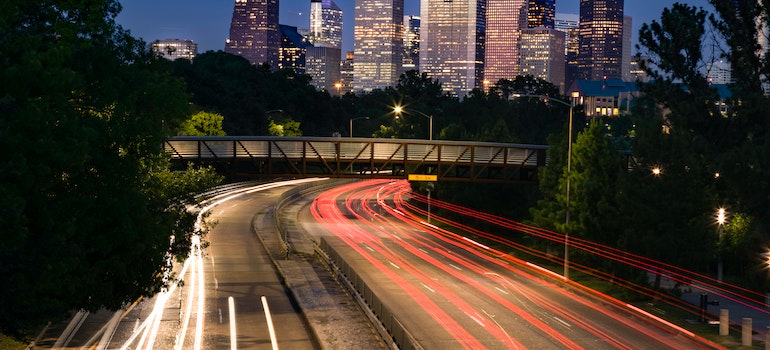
(270, 327)
(563, 322)
(233, 333)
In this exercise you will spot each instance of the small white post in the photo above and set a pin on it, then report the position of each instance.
(724, 322)
(746, 332)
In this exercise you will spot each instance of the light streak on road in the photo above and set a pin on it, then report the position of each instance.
(233, 332)
(428, 244)
(270, 327)
(150, 326)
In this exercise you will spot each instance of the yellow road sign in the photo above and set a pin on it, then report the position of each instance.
(422, 177)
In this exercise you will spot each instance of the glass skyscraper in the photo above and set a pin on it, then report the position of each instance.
(505, 20)
(325, 24)
(254, 31)
(600, 54)
(452, 39)
(378, 43)
(541, 13)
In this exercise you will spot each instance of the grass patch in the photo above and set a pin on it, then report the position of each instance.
(8, 343)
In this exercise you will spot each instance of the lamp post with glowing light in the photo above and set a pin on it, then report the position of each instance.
(351, 124)
(571, 106)
(398, 110)
(721, 219)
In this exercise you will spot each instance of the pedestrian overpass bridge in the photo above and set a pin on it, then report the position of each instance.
(336, 157)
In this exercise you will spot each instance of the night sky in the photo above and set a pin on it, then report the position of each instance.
(207, 22)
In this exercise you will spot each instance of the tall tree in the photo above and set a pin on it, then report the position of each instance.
(87, 204)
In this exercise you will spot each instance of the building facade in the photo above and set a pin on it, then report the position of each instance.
(542, 55)
(452, 39)
(172, 49)
(411, 43)
(323, 66)
(293, 50)
(505, 20)
(378, 44)
(542, 13)
(254, 32)
(325, 24)
(600, 54)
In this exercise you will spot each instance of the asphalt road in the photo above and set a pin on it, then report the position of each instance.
(451, 292)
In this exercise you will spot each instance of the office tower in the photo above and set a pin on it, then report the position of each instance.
(325, 24)
(570, 25)
(542, 55)
(172, 49)
(411, 58)
(293, 50)
(719, 72)
(627, 36)
(600, 53)
(505, 20)
(637, 73)
(323, 60)
(254, 32)
(378, 43)
(541, 13)
(346, 74)
(452, 38)
(323, 66)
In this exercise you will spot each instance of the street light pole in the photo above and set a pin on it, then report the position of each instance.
(721, 219)
(571, 106)
(399, 110)
(351, 124)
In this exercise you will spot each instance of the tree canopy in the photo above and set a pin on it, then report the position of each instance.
(87, 203)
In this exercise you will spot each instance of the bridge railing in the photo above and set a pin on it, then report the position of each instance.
(346, 157)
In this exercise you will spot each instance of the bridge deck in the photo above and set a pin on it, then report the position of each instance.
(361, 157)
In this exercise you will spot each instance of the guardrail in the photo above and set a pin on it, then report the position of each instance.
(263, 157)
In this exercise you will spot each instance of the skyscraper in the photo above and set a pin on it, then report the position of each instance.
(627, 37)
(541, 13)
(172, 49)
(411, 42)
(542, 55)
(323, 60)
(378, 43)
(452, 39)
(293, 49)
(600, 54)
(254, 31)
(505, 20)
(325, 24)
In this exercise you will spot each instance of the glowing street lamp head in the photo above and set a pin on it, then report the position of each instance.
(398, 110)
(721, 216)
(656, 171)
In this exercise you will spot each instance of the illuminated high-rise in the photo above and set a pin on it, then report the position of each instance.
(452, 37)
(411, 42)
(541, 13)
(542, 55)
(172, 49)
(325, 24)
(254, 31)
(505, 20)
(600, 54)
(378, 44)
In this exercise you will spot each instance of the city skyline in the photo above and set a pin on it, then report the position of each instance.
(208, 24)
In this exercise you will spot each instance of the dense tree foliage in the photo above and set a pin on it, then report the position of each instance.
(87, 204)
(202, 124)
(712, 155)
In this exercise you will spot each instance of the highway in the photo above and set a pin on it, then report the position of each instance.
(446, 290)
(227, 285)
(452, 292)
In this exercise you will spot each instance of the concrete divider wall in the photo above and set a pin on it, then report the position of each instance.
(398, 333)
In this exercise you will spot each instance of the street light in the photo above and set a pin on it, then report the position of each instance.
(721, 220)
(338, 85)
(399, 110)
(569, 169)
(351, 124)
